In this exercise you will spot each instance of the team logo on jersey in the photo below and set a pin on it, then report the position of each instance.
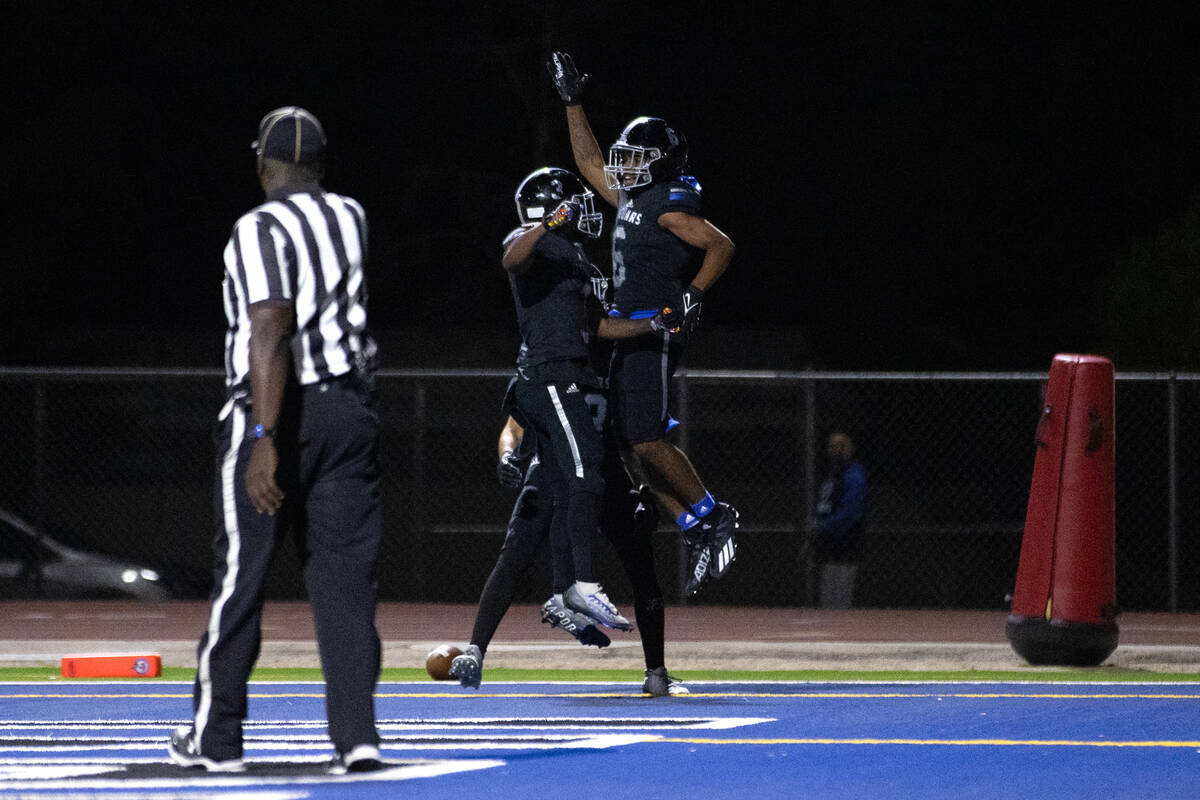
(631, 216)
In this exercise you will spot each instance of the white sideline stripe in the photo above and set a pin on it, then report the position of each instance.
(211, 780)
(232, 553)
(263, 687)
(577, 742)
(460, 726)
(566, 426)
(445, 743)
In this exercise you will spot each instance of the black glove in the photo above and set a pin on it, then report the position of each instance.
(566, 212)
(692, 298)
(507, 471)
(567, 80)
(666, 320)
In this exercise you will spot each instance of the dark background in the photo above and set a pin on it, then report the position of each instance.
(916, 185)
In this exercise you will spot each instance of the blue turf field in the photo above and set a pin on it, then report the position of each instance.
(726, 740)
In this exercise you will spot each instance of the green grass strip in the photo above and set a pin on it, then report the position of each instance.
(1077, 674)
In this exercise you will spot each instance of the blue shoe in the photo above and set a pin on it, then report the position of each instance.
(591, 601)
(583, 628)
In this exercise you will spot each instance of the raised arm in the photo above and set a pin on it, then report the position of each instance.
(589, 158)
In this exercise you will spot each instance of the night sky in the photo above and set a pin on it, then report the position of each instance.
(910, 185)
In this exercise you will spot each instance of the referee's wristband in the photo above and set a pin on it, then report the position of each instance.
(262, 432)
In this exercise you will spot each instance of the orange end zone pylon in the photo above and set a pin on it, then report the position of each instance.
(112, 665)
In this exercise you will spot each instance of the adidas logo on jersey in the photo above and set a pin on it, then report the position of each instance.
(572, 389)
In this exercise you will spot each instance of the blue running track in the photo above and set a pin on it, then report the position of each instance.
(607, 741)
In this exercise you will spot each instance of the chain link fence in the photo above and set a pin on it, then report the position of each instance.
(121, 462)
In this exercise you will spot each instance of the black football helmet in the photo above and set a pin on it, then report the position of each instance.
(649, 149)
(544, 189)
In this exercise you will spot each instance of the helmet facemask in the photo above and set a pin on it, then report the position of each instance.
(591, 221)
(542, 191)
(629, 166)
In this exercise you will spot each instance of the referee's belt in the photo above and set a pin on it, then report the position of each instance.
(354, 379)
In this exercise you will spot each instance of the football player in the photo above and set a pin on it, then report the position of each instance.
(665, 254)
(551, 280)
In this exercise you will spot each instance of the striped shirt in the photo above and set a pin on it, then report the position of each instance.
(308, 249)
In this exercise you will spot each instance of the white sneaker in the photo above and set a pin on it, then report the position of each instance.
(590, 600)
(184, 751)
(361, 758)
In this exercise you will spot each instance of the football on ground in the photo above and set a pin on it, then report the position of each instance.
(437, 663)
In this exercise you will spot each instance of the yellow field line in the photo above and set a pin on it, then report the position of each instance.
(945, 742)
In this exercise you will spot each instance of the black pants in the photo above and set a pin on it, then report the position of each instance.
(529, 529)
(570, 445)
(329, 474)
(640, 389)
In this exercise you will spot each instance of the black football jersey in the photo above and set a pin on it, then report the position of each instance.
(551, 300)
(651, 264)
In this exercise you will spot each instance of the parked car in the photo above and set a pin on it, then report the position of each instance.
(33, 565)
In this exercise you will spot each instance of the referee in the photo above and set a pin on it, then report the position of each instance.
(296, 447)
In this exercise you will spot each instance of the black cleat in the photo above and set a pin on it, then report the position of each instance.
(468, 667)
(698, 558)
(660, 683)
(723, 549)
(711, 547)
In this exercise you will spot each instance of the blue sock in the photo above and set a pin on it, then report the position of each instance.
(687, 520)
(704, 506)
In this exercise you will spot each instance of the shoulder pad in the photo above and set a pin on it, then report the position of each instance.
(686, 190)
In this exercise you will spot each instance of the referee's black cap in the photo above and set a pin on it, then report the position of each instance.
(290, 134)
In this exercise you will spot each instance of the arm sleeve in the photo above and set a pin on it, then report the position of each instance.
(263, 255)
(854, 503)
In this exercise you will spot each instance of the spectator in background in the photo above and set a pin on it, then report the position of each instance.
(840, 522)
